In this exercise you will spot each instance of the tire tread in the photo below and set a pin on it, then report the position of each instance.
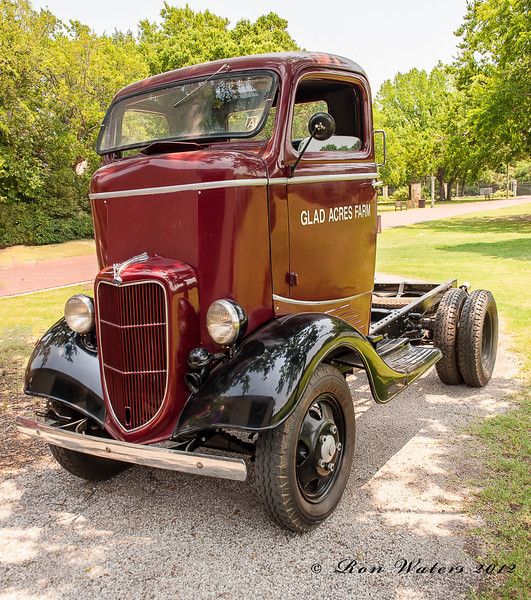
(470, 338)
(271, 466)
(445, 335)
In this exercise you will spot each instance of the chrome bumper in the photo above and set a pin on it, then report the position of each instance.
(149, 456)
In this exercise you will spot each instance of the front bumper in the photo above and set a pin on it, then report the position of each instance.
(148, 456)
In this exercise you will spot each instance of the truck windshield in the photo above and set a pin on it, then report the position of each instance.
(223, 106)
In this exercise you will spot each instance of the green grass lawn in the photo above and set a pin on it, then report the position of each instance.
(491, 250)
(33, 314)
(23, 320)
(20, 254)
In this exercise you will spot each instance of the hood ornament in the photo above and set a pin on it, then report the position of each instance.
(118, 268)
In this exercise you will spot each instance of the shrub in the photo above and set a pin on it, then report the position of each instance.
(36, 224)
(401, 193)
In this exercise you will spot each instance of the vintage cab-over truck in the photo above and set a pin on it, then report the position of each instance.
(235, 224)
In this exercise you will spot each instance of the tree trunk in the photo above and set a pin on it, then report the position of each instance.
(449, 193)
(440, 181)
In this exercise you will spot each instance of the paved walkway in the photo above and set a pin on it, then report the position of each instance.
(29, 277)
(32, 276)
(421, 215)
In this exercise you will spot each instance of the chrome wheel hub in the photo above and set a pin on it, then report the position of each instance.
(327, 448)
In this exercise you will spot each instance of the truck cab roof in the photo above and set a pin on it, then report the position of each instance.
(285, 63)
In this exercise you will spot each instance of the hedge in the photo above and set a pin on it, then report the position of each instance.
(36, 224)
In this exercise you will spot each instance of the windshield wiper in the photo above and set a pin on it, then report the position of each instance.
(225, 67)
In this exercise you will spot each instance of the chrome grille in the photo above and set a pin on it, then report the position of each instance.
(133, 344)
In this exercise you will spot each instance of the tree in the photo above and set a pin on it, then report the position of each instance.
(426, 119)
(186, 37)
(56, 81)
(492, 72)
(413, 110)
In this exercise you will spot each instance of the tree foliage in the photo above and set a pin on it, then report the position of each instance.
(412, 109)
(56, 81)
(460, 120)
(185, 37)
(493, 73)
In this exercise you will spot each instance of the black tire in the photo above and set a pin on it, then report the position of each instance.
(91, 468)
(278, 466)
(478, 338)
(445, 334)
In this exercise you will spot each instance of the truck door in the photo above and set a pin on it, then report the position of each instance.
(332, 203)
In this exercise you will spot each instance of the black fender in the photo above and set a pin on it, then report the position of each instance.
(64, 368)
(260, 385)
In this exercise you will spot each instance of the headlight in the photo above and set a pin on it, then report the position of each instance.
(225, 321)
(79, 313)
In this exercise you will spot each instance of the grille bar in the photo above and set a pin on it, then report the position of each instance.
(133, 344)
(133, 372)
(129, 326)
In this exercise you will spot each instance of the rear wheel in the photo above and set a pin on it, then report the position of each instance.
(478, 338)
(445, 335)
(91, 468)
(303, 465)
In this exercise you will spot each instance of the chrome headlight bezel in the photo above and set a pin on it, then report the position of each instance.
(226, 322)
(79, 313)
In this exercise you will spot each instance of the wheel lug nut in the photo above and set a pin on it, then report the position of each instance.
(333, 429)
(321, 463)
(322, 439)
(339, 445)
(330, 467)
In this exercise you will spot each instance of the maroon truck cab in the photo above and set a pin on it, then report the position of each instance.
(235, 223)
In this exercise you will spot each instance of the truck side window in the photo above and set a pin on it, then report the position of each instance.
(343, 101)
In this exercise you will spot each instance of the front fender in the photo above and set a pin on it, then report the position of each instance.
(64, 369)
(260, 385)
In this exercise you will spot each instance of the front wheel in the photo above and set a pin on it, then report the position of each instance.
(303, 465)
(85, 466)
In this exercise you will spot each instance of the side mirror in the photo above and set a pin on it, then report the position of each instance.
(321, 126)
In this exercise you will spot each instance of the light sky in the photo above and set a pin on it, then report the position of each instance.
(383, 36)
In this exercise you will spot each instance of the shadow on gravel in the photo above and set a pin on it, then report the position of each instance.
(158, 534)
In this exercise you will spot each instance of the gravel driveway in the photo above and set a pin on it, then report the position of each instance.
(157, 534)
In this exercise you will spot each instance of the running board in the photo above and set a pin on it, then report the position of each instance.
(391, 366)
(405, 358)
(148, 456)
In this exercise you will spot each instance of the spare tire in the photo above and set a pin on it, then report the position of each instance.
(477, 342)
(445, 335)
